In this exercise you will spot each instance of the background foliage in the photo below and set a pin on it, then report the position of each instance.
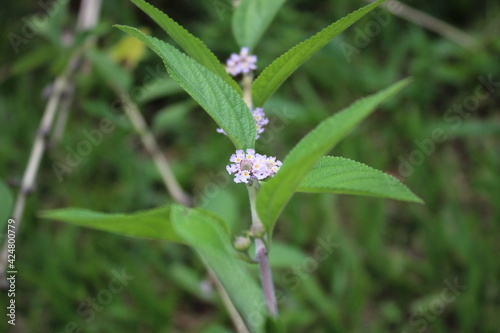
(391, 261)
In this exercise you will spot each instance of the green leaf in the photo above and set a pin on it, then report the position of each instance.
(159, 87)
(251, 19)
(286, 256)
(188, 278)
(202, 230)
(275, 193)
(173, 117)
(280, 69)
(6, 204)
(52, 24)
(41, 55)
(153, 223)
(189, 43)
(220, 101)
(344, 176)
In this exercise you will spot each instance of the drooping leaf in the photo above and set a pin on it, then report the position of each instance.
(276, 192)
(341, 175)
(204, 233)
(109, 70)
(159, 87)
(189, 43)
(155, 223)
(220, 101)
(37, 57)
(251, 19)
(280, 69)
(6, 204)
(173, 117)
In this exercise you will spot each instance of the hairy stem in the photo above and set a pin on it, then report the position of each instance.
(261, 254)
(266, 277)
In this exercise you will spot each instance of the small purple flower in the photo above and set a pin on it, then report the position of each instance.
(220, 130)
(247, 164)
(241, 63)
(260, 121)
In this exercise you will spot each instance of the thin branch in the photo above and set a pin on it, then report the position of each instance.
(429, 22)
(88, 14)
(40, 143)
(39, 146)
(261, 254)
(153, 149)
(62, 115)
(238, 322)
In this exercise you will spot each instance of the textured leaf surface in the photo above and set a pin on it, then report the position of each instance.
(220, 101)
(252, 18)
(344, 176)
(153, 223)
(189, 43)
(280, 69)
(275, 193)
(203, 231)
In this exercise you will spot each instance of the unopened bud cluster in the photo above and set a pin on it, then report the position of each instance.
(243, 243)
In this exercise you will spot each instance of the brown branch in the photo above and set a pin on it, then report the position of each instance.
(149, 142)
(40, 143)
(429, 22)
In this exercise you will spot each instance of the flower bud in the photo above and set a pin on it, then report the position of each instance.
(242, 243)
(257, 230)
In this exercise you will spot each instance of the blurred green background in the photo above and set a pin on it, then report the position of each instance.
(394, 267)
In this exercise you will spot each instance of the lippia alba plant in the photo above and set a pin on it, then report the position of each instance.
(234, 96)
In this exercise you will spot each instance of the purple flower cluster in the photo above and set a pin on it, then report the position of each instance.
(260, 121)
(241, 63)
(248, 164)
